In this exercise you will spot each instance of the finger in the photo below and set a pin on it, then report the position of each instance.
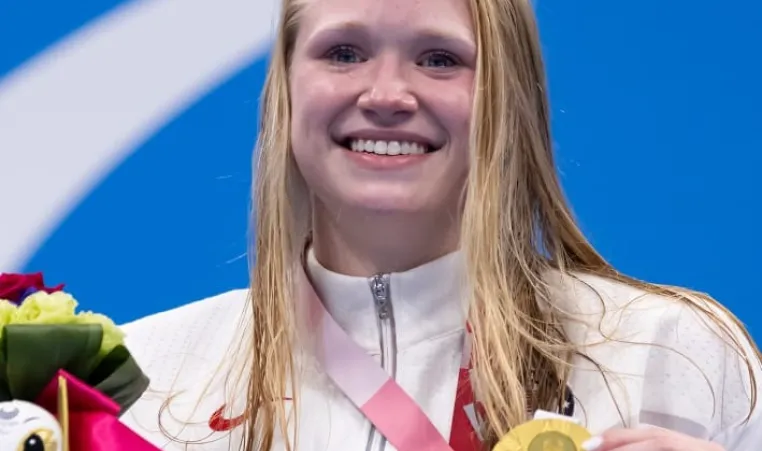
(654, 438)
(617, 438)
(648, 445)
(670, 443)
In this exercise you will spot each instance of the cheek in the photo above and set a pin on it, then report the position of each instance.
(455, 111)
(300, 103)
(305, 124)
(460, 109)
(310, 119)
(452, 102)
(313, 92)
(314, 104)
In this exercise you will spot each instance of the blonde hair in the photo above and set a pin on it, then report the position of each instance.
(516, 227)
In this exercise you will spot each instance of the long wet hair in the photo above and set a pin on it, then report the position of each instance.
(516, 226)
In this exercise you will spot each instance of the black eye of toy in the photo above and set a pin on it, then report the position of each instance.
(38, 440)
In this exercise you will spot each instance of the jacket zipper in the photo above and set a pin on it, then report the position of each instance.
(387, 336)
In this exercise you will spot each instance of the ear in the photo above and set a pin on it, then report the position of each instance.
(63, 412)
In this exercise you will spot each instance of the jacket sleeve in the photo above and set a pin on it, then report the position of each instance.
(698, 381)
(743, 437)
(741, 430)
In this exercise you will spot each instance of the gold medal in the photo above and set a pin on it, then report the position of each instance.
(544, 435)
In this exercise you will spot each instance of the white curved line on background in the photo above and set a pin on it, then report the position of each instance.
(73, 113)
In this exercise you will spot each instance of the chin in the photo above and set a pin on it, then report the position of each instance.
(344, 194)
(388, 204)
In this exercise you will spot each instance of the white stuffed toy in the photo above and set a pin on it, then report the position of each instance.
(28, 427)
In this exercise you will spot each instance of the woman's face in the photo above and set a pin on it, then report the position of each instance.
(381, 95)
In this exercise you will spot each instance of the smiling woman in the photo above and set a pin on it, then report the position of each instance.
(420, 283)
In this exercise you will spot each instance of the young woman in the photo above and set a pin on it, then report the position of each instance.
(419, 282)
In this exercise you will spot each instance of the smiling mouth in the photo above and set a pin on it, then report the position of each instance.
(389, 148)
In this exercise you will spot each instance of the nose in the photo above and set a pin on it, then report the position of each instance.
(388, 98)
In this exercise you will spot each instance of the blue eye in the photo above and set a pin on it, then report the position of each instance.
(344, 54)
(439, 59)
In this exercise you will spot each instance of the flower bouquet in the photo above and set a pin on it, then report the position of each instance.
(70, 370)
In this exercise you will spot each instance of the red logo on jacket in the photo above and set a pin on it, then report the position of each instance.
(218, 422)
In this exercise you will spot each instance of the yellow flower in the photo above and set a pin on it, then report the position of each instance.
(7, 312)
(46, 308)
(60, 308)
(112, 335)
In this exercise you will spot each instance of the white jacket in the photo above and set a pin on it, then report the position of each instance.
(690, 381)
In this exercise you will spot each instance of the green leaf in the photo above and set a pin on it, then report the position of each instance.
(33, 353)
(120, 378)
(5, 392)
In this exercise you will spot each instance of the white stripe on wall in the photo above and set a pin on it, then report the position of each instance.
(76, 111)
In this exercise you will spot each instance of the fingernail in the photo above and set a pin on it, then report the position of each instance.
(593, 443)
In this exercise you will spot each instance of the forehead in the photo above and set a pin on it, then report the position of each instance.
(447, 17)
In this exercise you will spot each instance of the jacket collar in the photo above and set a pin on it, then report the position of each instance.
(426, 302)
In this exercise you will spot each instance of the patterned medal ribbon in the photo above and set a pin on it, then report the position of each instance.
(386, 405)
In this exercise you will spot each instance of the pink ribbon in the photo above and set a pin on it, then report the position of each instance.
(93, 418)
(393, 412)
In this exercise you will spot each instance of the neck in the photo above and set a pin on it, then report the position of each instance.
(364, 243)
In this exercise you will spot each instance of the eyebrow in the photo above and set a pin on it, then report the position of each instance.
(337, 29)
(461, 39)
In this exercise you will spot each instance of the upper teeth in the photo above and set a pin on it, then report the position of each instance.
(387, 147)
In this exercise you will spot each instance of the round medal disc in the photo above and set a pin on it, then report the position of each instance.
(544, 435)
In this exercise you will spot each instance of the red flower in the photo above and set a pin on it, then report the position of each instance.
(16, 287)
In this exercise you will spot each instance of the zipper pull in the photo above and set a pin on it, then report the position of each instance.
(379, 286)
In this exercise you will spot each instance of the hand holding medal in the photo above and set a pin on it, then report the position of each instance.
(648, 438)
(551, 432)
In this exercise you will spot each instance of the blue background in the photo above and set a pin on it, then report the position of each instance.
(656, 126)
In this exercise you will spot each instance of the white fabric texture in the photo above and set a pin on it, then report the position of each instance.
(664, 365)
